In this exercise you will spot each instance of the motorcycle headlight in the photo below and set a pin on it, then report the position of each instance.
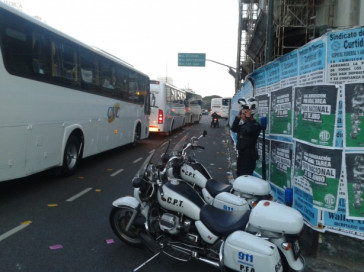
(137, 182)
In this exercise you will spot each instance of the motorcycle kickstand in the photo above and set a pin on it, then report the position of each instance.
(146, 262)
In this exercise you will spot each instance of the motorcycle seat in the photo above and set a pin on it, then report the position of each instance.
(222, 222)
(215, 187)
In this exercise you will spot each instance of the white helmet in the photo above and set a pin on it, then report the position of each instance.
(248, 103)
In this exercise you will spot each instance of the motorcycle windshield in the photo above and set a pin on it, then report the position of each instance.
(180, 145)
(153, 158)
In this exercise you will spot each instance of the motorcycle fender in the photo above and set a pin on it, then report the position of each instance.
(246, 252)
(193, 176)
(296, 265)
(128, 201)
(207, 197)
(205, 233)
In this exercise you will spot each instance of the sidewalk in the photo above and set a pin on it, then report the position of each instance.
(324, 252)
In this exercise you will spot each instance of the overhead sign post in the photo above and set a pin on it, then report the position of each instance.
(192, 59)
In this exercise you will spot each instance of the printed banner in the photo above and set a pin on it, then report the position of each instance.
(338, 223)
(354, 163)
(315, 111)
(312, 63)
(277, 193)
(259, 166)
(354, 115)
(320, 169)
(260, 81)
(262, 109)
(345, 55)
(289, 69)
(273, 75)
(302, 202)
(281, 112)
(281, 163)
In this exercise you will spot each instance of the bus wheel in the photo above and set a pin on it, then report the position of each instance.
(72, 156)
(137, 135)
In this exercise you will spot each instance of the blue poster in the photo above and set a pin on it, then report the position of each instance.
(337, 222)
(303, 203)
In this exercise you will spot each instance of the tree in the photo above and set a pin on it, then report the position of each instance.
(207, 101)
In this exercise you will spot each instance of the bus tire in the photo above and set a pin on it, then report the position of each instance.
(137, 135)
(72, 156)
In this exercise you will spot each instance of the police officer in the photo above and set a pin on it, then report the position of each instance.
(247, 130)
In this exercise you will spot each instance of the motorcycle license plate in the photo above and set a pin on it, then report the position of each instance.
(296, 249)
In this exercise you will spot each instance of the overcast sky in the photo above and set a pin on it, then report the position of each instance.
(149, 34)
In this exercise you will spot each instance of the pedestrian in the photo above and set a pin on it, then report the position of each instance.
(247, 130)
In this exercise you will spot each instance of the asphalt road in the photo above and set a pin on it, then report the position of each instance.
(48, 223)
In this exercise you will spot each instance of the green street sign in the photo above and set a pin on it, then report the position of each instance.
(192, 59)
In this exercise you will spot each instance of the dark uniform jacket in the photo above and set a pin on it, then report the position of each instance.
(247, 135)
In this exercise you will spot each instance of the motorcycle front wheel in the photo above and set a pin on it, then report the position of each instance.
(119, 219)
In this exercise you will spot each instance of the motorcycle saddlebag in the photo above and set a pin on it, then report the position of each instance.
(229, 202)
(246, 252)
(275, 217)
(251, 186)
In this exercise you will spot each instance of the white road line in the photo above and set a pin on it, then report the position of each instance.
(151, 151)
(117, 172)
(13, 231)
(137, 160)
(78, 195)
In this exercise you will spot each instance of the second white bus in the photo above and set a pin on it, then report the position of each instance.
(193, 105)
(167, 107)
(221, 106)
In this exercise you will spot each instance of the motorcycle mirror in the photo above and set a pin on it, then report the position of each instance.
(164, 158)
(204, 133)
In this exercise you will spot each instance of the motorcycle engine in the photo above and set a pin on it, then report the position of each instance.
(169, 223)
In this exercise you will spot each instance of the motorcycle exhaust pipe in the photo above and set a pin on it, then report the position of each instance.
(219, 265)
(215, 264)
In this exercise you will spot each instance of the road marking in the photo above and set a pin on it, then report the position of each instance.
(13, 231)
(117, 172)
(151, 151)
(78, 195)
(137, 160)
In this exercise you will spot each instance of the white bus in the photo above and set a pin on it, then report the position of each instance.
(61, 100)
(221, 106)
(167, 107)
(193, 104)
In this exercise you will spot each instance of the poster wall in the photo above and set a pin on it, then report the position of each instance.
(281, 112)
(315, 109)
(316, 129)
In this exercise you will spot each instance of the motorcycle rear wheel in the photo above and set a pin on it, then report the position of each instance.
(119, 219)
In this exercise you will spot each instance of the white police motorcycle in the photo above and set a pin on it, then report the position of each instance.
(245, 192)
(169, 216)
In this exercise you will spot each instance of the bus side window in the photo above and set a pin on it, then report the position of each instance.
(56, 60)
(41, 55)
(69, 63)
(141, 92)
(133, 87)
(88, 71)
(122, 83)
(16, 51)
(108, 77)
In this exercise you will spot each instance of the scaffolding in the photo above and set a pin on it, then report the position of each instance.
(293, 26)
